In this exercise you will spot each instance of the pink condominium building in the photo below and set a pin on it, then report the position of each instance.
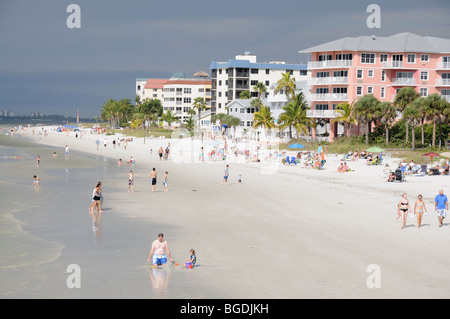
(346, 69)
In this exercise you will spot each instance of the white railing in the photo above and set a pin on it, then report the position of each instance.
(442, 82)
(329, 80)
(329, 97)
(404, 81)
(330, 64)
(321, 113)
(443, 65)
(392, 64)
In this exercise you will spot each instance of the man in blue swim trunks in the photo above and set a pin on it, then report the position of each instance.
(158, 251)
(441, 206)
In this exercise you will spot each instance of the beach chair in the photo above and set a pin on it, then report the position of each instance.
(293, 161)
(399, 175)
(288, 161)
(423, 169)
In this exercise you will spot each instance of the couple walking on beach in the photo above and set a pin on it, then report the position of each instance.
(440, 206)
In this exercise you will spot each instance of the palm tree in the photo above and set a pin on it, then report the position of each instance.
(169, 117)
(345, 115)
(365, 109)
(260, 88)
(200, 105)
(386, 113)
(232, 121)
(294, 115)
(403, 98)
(245, 95)
(435, 109)
(264, 118)
(412, 114)
(287, 84)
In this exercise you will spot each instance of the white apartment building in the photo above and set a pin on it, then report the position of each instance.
(180, 94)
(230, 79)
(177, 94)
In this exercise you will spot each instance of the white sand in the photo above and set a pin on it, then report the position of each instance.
(295, 233)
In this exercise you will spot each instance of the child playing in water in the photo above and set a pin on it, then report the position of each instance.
(131, 181)
(192, 258)
(36, 182)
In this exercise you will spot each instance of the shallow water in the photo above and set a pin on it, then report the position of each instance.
(43, 231)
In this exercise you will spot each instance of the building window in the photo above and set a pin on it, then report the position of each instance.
(368, 58)
(321, 106)
(424, 75)
(242, 110)
(359, 74)
(359, 90)
(384, 57)
(370, 90)
(267, 83)
(411, 58)
(383, 92)
(320, 91)
(424, 58)
(323, 74)
(303, 72)
(383, 76)
(344, 56)
(339, 74)
(254, 71)
(340, 90)
(267, 71)
(423, 92)
(187, 90)
(325, 57)
(253, 82)
(370, 73)
(139, 88)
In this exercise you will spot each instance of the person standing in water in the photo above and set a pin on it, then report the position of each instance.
(153, 176)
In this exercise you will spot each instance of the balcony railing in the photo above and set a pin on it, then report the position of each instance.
(442, 82)
(404, 81)
(392, 64)
(329, 80)
(329, 97)
(321, 113)
(330, 64)
(443, 65)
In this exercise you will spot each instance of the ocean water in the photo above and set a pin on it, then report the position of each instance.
(51, 247)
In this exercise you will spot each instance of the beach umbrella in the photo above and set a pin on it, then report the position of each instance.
(375, 149)
(445, 154)
(296, 145)
(431, 155)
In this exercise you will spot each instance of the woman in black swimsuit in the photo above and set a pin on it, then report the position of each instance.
(403, 208)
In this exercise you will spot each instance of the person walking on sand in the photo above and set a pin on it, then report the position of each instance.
(67, 155)
(165, 180)
(441, 206)
(226, 173)
(153, 176)
(419, 209)
(160, 153)
(105, 143)
(159, 251)
(403, 208)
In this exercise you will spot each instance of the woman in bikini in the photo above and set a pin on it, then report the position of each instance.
(419, 209)
(403, 208)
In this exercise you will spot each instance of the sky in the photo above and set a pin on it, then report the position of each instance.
(47, 67)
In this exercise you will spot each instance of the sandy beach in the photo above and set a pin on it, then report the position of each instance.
(284, 232)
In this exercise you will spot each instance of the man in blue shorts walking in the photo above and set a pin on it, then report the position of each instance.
(441, 206)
